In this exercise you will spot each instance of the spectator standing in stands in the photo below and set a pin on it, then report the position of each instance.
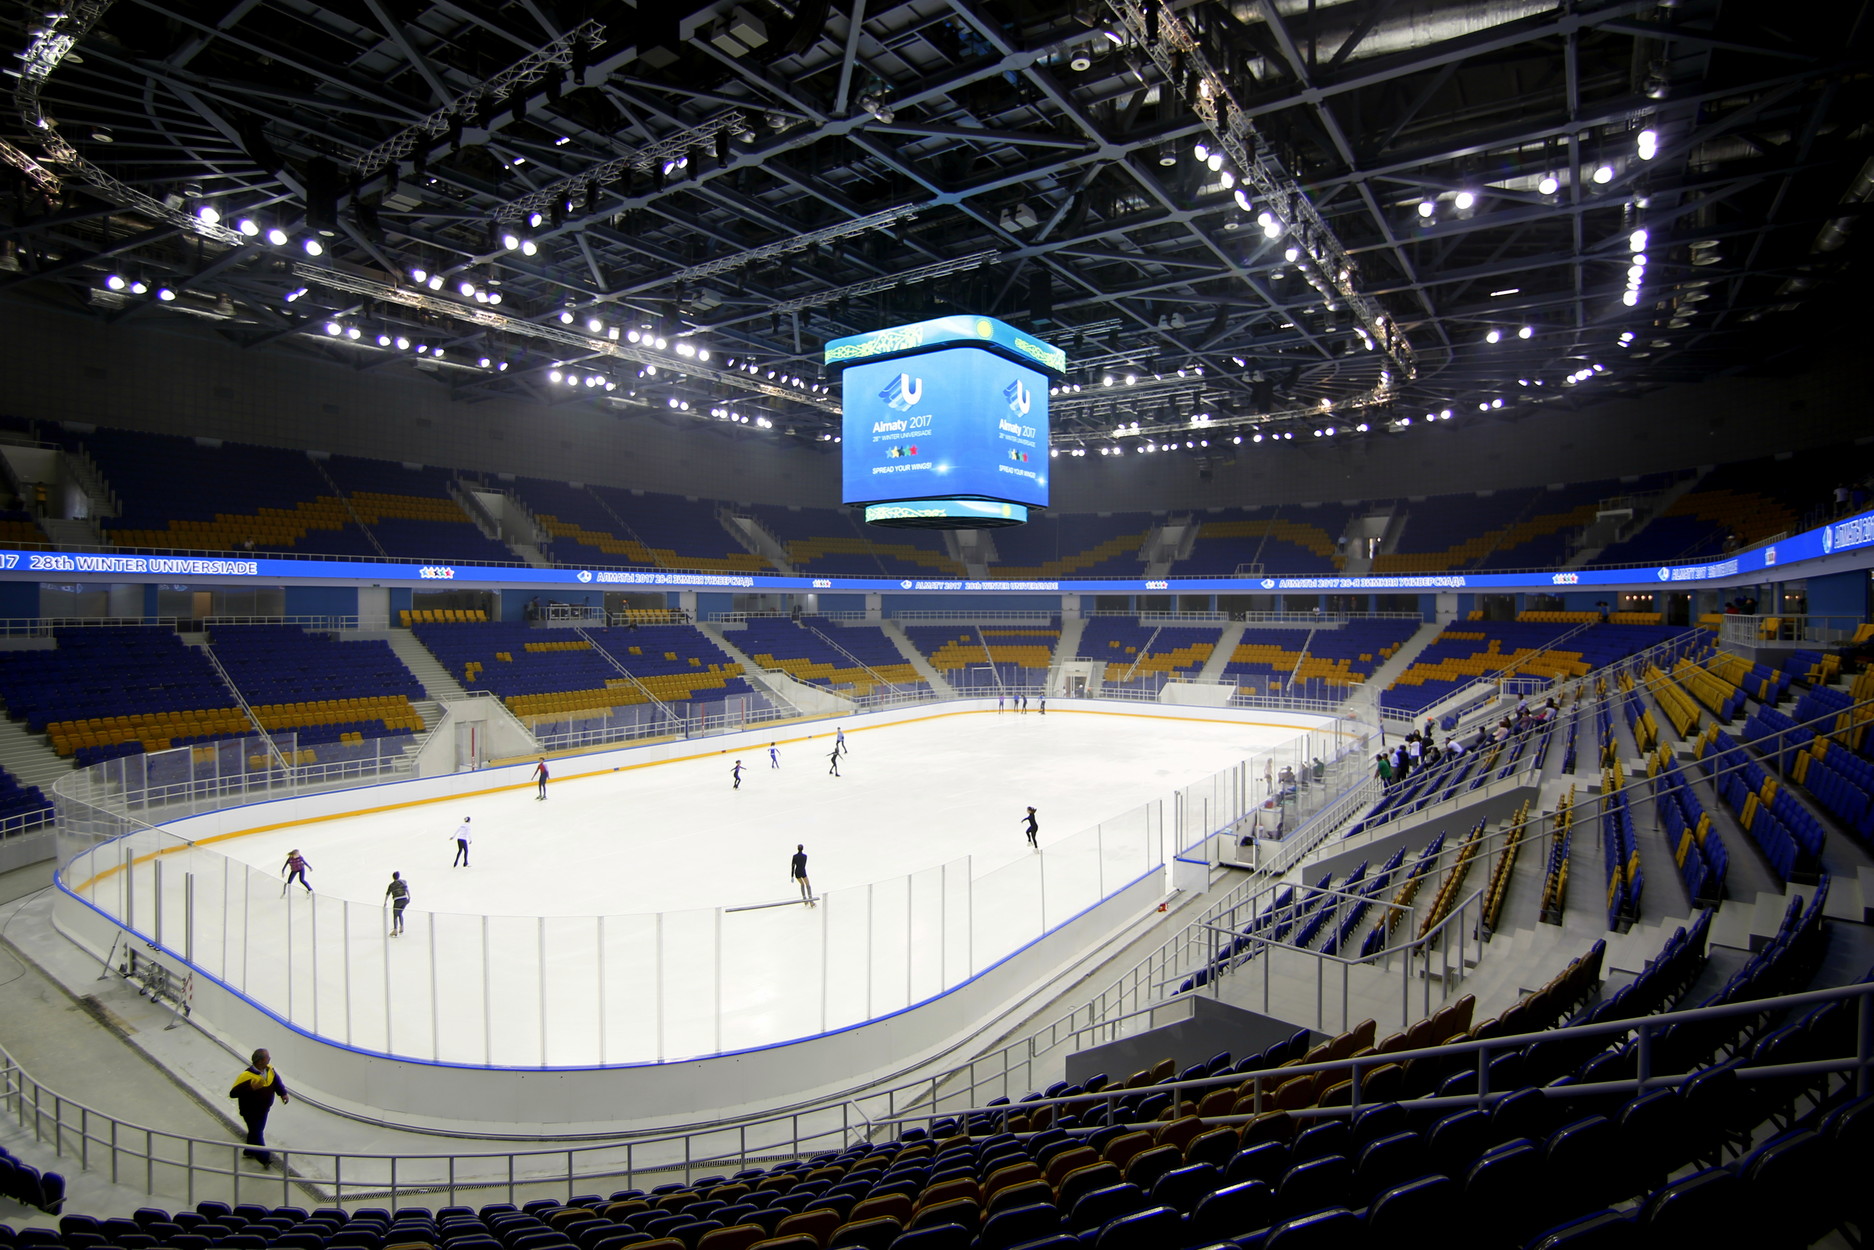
(774, 756)
(832, 767)
(397, 896)
(1415, 750)
(1382, 768)
(1034, 827)
(462, 840)
(295, 869)
(540, 775)
(797, 871)
(254, 1090)
(736, 773)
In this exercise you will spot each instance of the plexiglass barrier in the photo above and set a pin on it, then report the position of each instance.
(575, 990)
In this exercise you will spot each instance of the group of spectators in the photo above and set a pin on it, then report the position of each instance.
(1421, 749)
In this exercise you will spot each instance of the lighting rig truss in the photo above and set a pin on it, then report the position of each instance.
(872, 286)
(524, 72)
(51, 42)
(584, 344)
(1166, 38)
(788, 246)
(670, 147)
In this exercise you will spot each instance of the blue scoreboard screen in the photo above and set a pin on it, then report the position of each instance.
(954, 423)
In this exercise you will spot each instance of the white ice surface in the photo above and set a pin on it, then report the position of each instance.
(917, 851)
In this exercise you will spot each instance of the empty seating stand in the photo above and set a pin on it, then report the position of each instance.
(107, 691)
(324, 690)
(1288, 540)
(856, 660)
(411, 513)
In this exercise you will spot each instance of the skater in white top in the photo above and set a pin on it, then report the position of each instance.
(462, 840)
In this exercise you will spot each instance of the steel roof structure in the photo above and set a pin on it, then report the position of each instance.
(1240, 218)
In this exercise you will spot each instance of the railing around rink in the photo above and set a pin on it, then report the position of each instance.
(551, 991)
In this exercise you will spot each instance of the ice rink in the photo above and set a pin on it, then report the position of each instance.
(601, 925)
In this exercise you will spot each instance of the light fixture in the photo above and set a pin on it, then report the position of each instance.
(1526, 332)
(1080, 59)
(314, 247)
(165, 294)
(403, 344)
(1648, 144)
(511, 241)
(248, 227)
(114, 282)
(277, 237)
(1603, 174)
(1200, 150)
(208, 214)
(1464, 200)
(1549, 185)
(1493, 336)
(1426, 208)
(1637, 241)
(334, 329)
(419, 275)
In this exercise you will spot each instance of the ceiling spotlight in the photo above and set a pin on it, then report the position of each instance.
(419, 275)
(594, 325)
(435, 282)
(353, 332)
(208, 214)
(1525, 332)
(248, 226)
(1464, 200)
(529, 248)
(383, 340)
(114, 282)
(511, 241)
(1603, 174)
(334, 329)
(1630, 298)
(566, 316)
(1201, 150)
(403, 344)
(1167, 156)
(1549, 185)
(1215, 161)
(1426, 208)
(1648, 144)
(1080, 59)
(1637, 241)
(165, 294)
(314, 247)
(1494, 336)
(277, 237)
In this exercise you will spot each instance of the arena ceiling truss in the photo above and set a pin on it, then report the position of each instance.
(1240, 218)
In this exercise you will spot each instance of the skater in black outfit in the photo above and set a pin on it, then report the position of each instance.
(832, 768)
(462, 840)
(540, 775)
(1034, 827)
(295, 868)
(797, 870)
(736, 773)
(397, 894)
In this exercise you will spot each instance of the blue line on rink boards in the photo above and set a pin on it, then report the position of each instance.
(894, 925)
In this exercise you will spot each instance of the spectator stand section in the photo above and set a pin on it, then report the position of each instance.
(22, 807)
(1542, 648)
(677, 532)
(412, 513)
(343, 701)
(826, 542)
(1739, 505)
(1139, 656)
(204, 495)
(1008, 657)
(1293, 540)
(849, 658)
(108, 691)
(1053, 546)
(1323, 661)
(584, 686)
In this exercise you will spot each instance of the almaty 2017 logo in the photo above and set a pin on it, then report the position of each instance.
(897, 453)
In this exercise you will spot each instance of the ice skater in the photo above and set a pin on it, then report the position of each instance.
(839, 740)
(397, 897)
(832, 762)
(295, 869)
(540, 775)
(999, 701)
(462, 840)
(797, 870)
(736, 773)
(1041, 704)
(1034, 827)
(774, 756)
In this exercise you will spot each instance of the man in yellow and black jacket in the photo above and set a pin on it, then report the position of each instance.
(254, 1091)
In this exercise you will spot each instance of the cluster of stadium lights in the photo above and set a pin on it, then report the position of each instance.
(137, 286)
(776, 376)
(1636, 270)
(572, 377)
(760, 422)
(209, 215)
(1646, 147)
(464, 287)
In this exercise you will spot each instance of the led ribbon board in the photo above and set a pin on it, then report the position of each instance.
(945, 422)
